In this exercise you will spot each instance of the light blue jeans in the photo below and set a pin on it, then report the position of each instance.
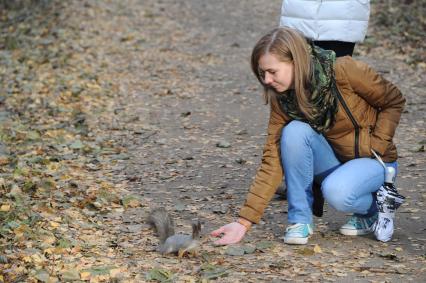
(349, 187)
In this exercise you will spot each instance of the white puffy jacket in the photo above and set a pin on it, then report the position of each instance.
(342, 20)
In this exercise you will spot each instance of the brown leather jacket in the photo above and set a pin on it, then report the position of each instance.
(369, 111)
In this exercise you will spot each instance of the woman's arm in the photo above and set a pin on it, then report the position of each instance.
(267, 179)
(270, 174)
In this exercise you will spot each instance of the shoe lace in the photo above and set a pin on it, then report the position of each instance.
(355, 221)
(298, 227)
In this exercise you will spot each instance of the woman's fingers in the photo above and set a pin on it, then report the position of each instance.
(229, 239)
(231, 233)
(217, 232)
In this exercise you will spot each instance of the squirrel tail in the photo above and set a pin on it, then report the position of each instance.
(162, 222)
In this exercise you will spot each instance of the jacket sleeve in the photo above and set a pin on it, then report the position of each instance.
(381, 94)
(270, 174)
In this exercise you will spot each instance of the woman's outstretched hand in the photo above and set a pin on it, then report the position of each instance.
(231, 233)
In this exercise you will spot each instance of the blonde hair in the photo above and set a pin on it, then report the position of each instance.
(287, 45)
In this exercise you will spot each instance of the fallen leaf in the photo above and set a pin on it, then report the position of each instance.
(159, 274)
(42, 275)
(317, 249)
(5, 208)
(70, 275)
(130, 201)
(85, 275)
(210, 271)
(305, 251)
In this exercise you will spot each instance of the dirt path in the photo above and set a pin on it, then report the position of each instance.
(196, 91)
(182, 84)
(184, 74)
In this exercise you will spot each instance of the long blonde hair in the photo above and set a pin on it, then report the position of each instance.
(287, 45)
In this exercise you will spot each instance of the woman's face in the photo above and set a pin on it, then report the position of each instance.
(276, 74)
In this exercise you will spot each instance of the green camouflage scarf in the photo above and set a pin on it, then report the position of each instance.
(323, 92)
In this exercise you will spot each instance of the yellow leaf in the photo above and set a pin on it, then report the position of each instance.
(53, 166)
(48, 240)
(93, 86)
(85, 275)
(65, 177)
(58, 250)
(398, 249)
(5, 207)
(317, 249)
(19, 232)
(37, 259)
(305, 251)
(106, 185)
(54, 224)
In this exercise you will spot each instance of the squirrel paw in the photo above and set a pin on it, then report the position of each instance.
(191, 252)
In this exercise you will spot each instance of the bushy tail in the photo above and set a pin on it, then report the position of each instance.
(162, 222)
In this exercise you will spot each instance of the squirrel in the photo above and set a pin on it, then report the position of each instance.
(170, 242)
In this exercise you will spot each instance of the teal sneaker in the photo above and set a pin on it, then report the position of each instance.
(298, 234)
(358, 225)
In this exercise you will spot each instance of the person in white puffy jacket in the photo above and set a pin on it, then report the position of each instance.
(331, 24)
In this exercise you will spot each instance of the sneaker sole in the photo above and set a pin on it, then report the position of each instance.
(348, 232)
(296, 241)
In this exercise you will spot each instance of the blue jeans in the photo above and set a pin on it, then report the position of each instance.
(349, 187)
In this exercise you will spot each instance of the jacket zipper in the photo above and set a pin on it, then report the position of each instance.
(351, 117)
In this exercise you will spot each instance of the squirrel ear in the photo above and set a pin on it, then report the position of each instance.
(196, 224)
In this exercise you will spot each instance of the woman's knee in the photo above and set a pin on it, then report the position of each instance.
(294, 133)
(339, 196)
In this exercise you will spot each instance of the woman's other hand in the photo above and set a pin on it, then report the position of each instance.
(231, 233)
